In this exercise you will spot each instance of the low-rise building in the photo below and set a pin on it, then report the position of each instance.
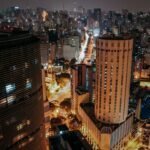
(71, 140)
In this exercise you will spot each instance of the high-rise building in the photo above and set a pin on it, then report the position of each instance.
(44, 47)
(97, 14)
(21, 102)
(82, 78)
(113, 73)
(107, 123)
(71, 47)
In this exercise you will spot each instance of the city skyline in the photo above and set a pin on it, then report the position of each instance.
(74, 78)
(70, 4)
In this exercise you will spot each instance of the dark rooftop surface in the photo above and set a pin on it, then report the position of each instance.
(113, 37)
(76, 66)
(16, 38)
(62, 127)
(55, 143)
(74, 138)
(147, 125)
(145, 108)
(81, 90)
(89, 109)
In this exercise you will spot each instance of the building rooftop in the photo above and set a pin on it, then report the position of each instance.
(89, 109)
(145, 109)
(9, 39)
(114, 37)
(62, 127)
(74, 139)
(81, 90)
(76, 66)
(147, 125)
(55, 143)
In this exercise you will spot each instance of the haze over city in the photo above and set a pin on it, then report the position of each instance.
(132, 5)
(74, 75)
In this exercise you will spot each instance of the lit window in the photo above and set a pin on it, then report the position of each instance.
(10, 88)
(18, 137)
(31, 139)
(3, 102)
(14, 67)
(61, 132)
(19, 127)
(11, 99)
(28, 122)
(23, 124)
(26, 65)
(1, 134)
(35, 61)
(28, 84)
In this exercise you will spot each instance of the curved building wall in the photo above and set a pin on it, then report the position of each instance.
(113, 63)
(21, 104)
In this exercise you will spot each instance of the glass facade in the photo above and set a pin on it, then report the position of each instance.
(21, 103)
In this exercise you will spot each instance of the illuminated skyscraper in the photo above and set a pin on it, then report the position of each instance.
(113, 63)
(107, 122)
(21, 100)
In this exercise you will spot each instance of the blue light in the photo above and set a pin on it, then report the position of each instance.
(61, 132)
(28, 84)
(10, 88)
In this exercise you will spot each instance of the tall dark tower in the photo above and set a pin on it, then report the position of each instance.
(21, 104)
(98, 15)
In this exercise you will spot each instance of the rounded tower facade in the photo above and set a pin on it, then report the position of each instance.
(113, 72)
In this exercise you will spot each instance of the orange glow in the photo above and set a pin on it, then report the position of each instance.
(44, 15)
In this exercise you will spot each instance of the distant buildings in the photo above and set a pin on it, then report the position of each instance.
(71, 47)
(44, 48)
(21, 101)
(100, 94)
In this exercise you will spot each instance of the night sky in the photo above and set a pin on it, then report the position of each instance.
(132, 5)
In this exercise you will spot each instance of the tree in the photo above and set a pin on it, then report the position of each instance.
(74, 123)
(73, 61)
(55, 122)
(52, 107)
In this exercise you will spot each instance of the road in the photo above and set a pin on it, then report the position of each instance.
(62, 94)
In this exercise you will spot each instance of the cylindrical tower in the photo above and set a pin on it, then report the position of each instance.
(113, 63)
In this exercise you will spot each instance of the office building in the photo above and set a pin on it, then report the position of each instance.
(107, 122)
(21, 101)
(113, 73)
(81, 80)
(44, 48)
(71, 47)
(69, 140)
(98, 15)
